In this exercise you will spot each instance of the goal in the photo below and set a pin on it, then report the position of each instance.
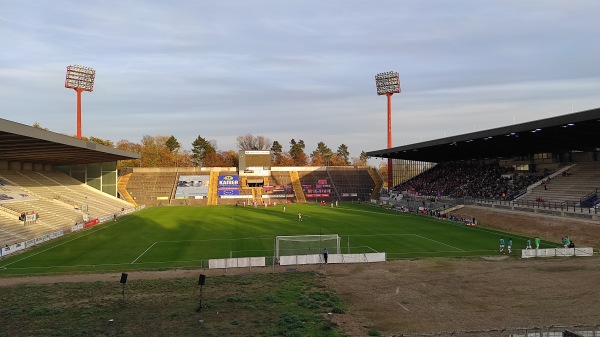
(306, 244)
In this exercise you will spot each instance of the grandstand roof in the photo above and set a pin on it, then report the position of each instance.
(578, 131)
(24, 143)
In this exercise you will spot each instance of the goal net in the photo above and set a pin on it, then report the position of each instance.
(306, 244)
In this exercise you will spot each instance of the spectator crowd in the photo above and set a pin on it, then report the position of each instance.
(457, 180)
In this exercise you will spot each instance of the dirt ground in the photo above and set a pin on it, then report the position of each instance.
(449, 295)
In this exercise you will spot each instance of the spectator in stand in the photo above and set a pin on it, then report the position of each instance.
(480, 181)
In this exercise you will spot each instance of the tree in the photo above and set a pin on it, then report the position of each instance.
(383, 170)
(230, 158)
(126, 145)
(363, 157)
(220, 159)
(322, 155)
(297, 152)
(201, 148)
(284, 160)
(155, 153)
(361, 160)
(100, 141)
(250, 142)
(343, 154)
(276, 151)
(172, 144)
(184, 158)
(338, 161)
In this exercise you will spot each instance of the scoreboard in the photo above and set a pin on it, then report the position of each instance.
(255, 163)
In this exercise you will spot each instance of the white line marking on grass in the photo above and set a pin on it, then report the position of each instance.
(372, 249)
(147, 249)
(86, 233)
(441, 243)
(477, 228)
(381, 234)
(372, 212)
(260, 237)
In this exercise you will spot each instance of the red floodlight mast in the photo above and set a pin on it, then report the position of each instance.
(388, 83)
(80, 79)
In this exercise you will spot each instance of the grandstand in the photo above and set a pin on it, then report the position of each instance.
(51, 182)
(68, 181)
(159, 186)
(545, 164)
(571, 185)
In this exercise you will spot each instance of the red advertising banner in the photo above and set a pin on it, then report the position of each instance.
(91, 223)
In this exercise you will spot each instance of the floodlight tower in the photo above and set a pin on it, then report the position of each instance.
(80, 79)
(388, 83)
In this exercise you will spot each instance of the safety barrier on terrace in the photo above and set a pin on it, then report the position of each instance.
(556, 252)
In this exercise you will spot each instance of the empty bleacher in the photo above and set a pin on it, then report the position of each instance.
(350, 180)
(152, 188)
(156, 187)
(281, 178)
(56, 198)
(568, 188)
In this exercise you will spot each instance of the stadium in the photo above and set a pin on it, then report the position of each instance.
(90, 250)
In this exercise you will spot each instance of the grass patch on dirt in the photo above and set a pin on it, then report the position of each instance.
(283, 304)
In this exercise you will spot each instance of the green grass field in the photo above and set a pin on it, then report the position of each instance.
(183, 236)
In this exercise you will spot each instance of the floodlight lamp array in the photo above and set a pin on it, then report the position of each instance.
(387, 83)
(80, 77)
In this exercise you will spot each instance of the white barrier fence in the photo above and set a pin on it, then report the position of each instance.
(331, 258)
(238, 262)
(11, 249)
(245, 262)
(556, 252)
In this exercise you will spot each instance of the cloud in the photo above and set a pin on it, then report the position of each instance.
(302, 70)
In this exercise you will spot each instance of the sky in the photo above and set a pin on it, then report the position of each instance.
(302, 70)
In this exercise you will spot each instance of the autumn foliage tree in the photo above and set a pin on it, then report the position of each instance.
(202, 150)
(297, 152)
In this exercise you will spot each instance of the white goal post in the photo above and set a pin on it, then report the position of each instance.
(306, 244)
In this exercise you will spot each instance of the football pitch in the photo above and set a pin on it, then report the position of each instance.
(185, 236)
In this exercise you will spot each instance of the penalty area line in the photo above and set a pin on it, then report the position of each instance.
(441, 243)
(147, 249)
